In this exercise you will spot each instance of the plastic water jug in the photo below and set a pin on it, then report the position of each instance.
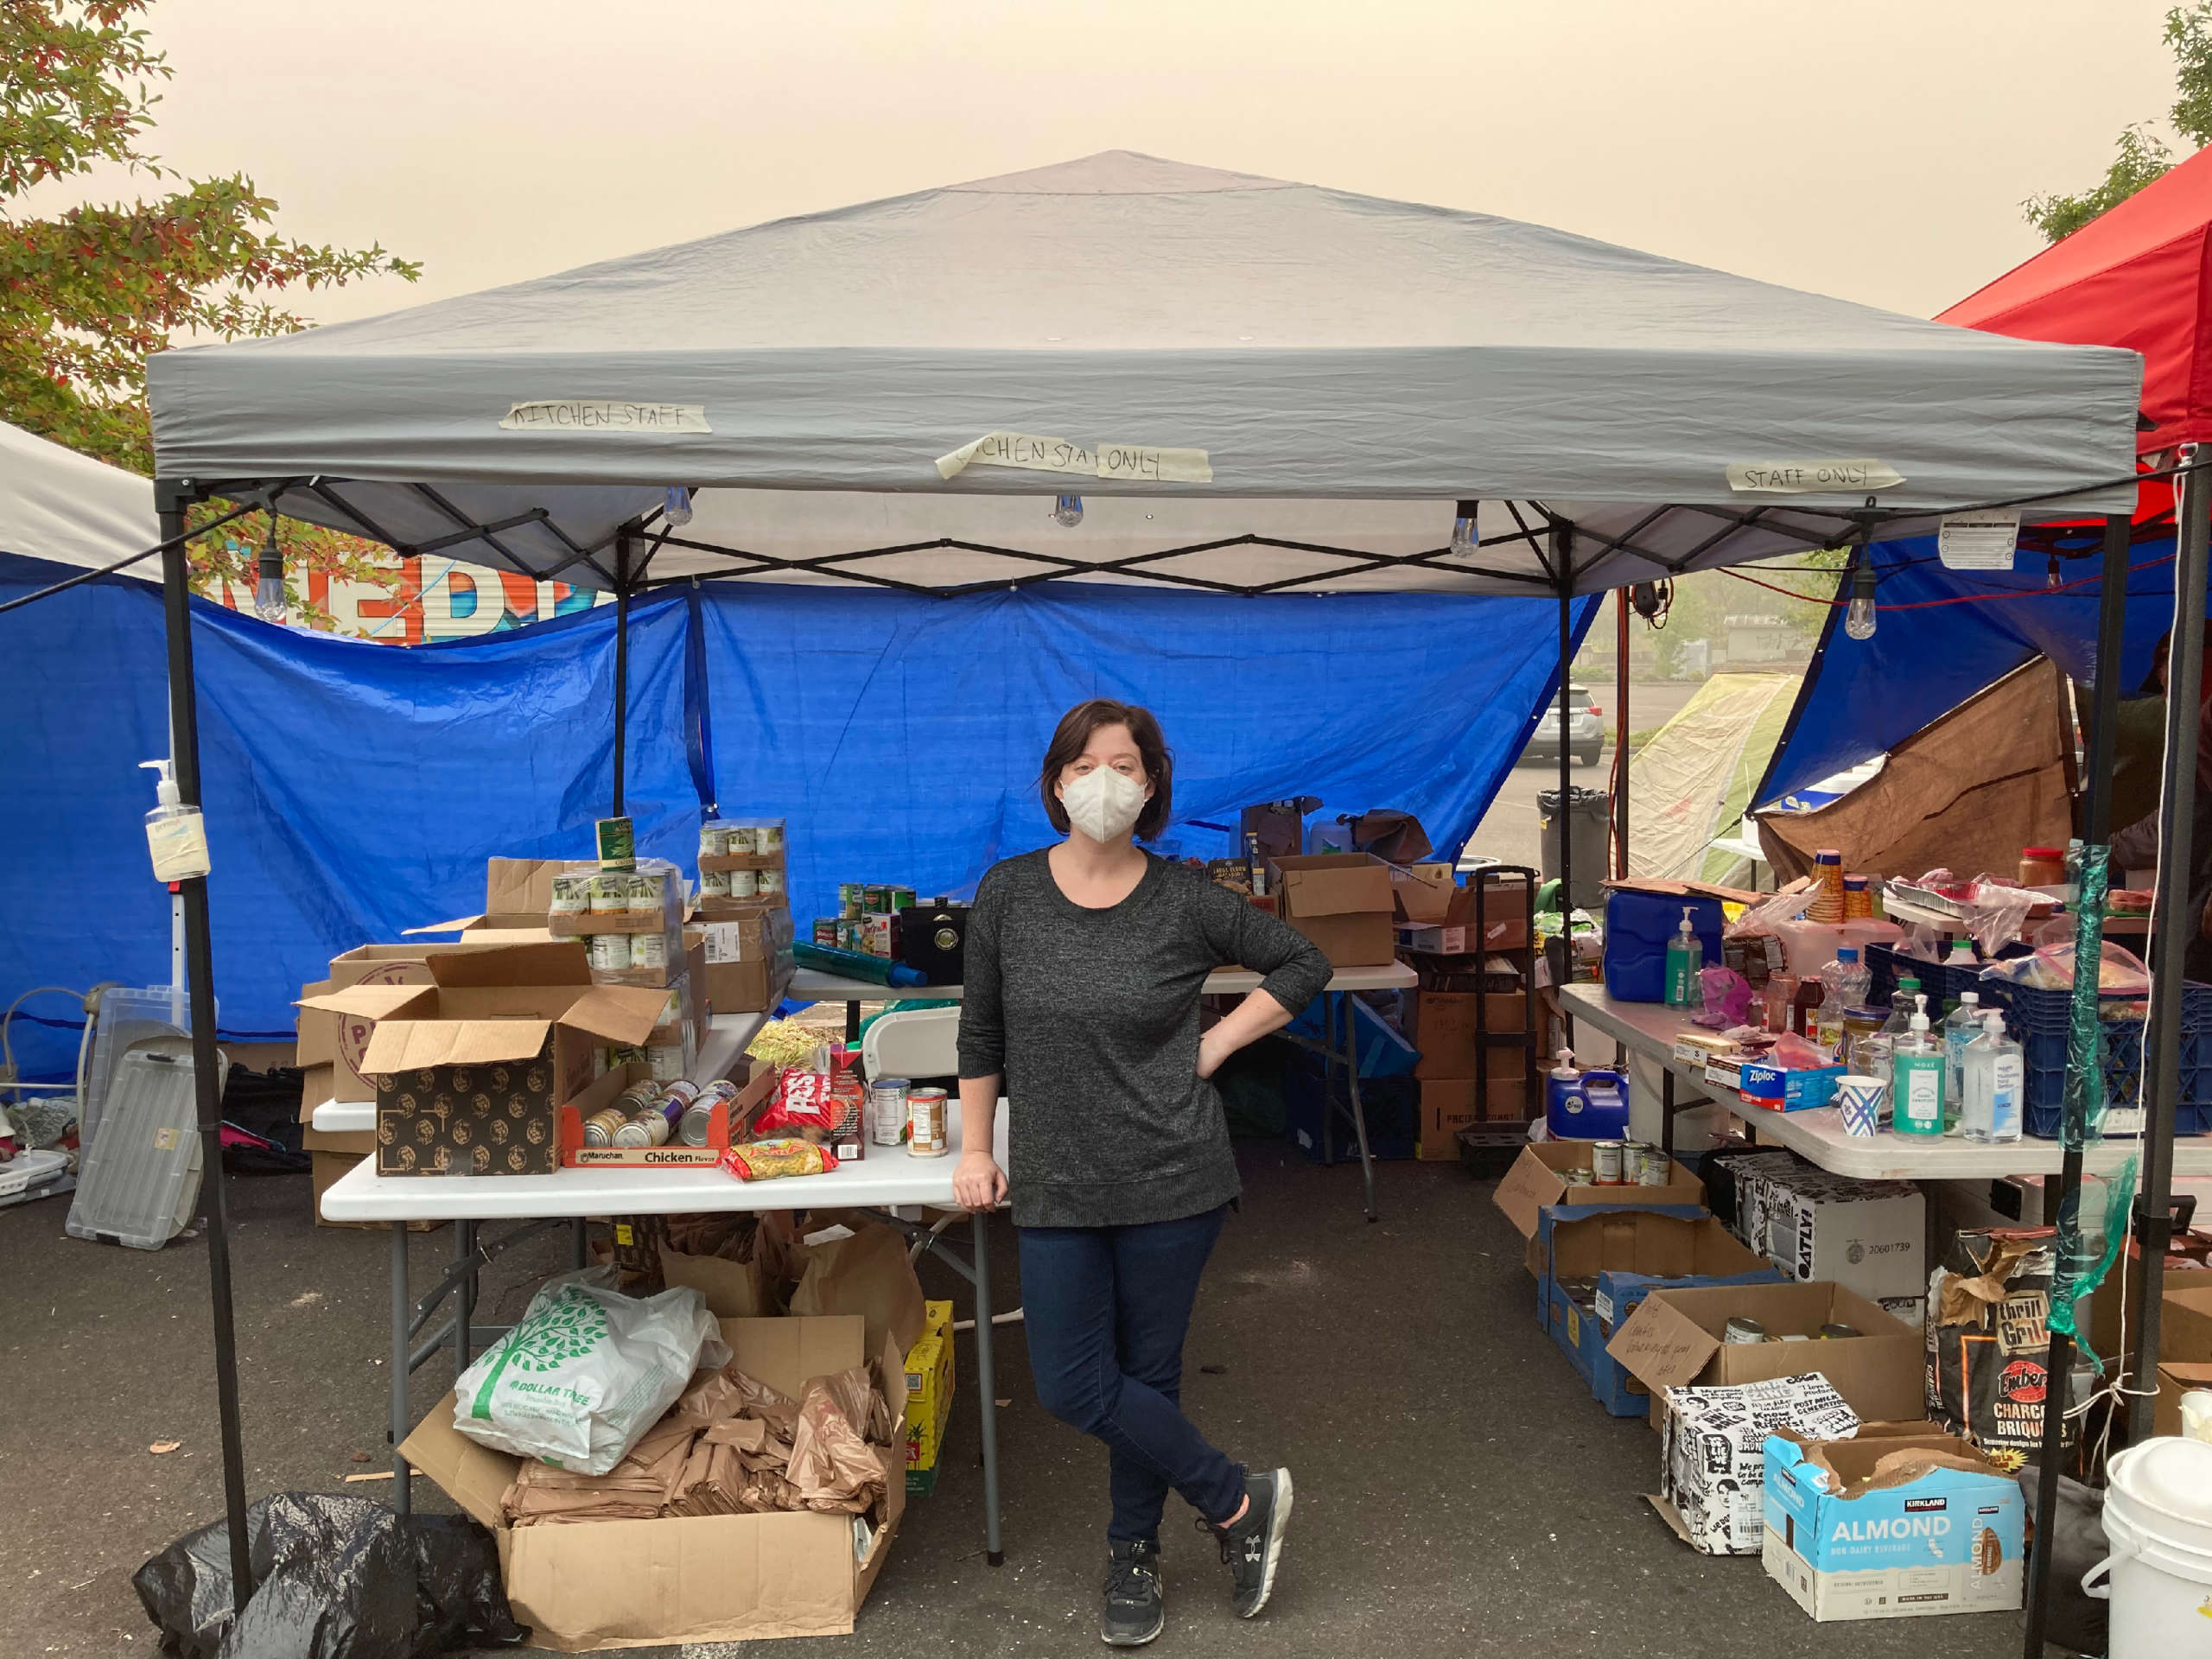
(1589, 1106)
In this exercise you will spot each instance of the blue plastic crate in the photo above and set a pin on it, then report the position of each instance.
(2037, 1019)
(1941, 983)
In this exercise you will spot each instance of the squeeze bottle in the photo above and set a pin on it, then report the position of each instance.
(1961, 1027)
(1916, 1077)
(1684, 961)
(1995, 1083)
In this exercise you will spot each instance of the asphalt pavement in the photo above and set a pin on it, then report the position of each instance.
(1459, 1492)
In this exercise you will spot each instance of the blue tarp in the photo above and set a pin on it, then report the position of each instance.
(354, 791)
(1863, 697)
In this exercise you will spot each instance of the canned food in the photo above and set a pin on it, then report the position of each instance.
(645, 895)
(666, 1060)
(886, 1110)
(571, 894)
(635, 1098)
(902, 898)
(849, 898)
(849, 932)
(768, 837)
(714, 839)
(648, 950)
(714, 884)
(600, 1127)
(682, 1090)
(608, 953)
(697, 1122)
(1836, 1330)
(925, 1120)
(1605, 1163)
(768, 882)
(743, 884)
(1741, 1329)
(610, 892)
(825, 931)
(739, 838)
(649, 1128)
(1656, 1171)
(875, 898)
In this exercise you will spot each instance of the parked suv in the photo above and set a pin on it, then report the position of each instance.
(1586, 729)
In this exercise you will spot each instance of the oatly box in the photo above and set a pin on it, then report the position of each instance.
(1891, 1526)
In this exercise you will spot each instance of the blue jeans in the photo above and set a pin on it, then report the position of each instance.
(1106, 1309)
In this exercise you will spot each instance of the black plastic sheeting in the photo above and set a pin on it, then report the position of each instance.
(334, 1578)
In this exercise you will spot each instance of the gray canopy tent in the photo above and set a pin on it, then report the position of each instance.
(1123, 369)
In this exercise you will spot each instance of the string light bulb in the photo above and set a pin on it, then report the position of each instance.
(1466, 534)
(269, 600)
(2051, 584)
(1067, 511)
(676, 506)
(1858, 617)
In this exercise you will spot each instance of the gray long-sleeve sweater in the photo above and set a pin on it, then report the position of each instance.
(1092, 1016)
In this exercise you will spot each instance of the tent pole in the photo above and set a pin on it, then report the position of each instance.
(621, 662)
(2172, 927)
(2096, 832)
(171, 498)
(1620, 733)
(1563, 820)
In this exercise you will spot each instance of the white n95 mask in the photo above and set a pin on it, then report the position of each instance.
(1103, 804)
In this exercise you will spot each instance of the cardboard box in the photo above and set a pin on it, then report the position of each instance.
(337, 1041)
(1712, 1453)
(2176, 1378)
(518, 899)
(1557, 1171)
(1869, 1236)
(2185, 1316)
(1601, 1260)
(1441, 1024)
(329, 1156)
(1674, 1340)
(1431, 895)
(687, 1579)
(472, 1070)
(1341, 902)
(1449, 1104)
(1891, 1526)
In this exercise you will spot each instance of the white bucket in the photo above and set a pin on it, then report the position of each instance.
(2158, 1520)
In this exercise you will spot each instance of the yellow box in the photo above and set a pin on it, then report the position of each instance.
(937, 1319)
(929, 1386)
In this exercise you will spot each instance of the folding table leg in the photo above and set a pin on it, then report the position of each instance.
(582, 1240)
(1667, 1110)
(1358, 1112)
(402, 1494)
(987, 1388)
(464, 1250)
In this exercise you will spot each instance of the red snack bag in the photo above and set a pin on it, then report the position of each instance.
(815, 1104)
(764, 1161)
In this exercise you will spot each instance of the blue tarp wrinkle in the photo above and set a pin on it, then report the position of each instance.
(353, 791)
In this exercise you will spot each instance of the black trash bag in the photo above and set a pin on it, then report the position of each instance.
(2077, 1621)
(334, 1578)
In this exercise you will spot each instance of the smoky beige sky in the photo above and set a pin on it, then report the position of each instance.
(1877, 149)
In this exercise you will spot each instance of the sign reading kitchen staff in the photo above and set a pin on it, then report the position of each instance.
(605, 415)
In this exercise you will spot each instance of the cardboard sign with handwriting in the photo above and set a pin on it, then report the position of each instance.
(1663, 1347)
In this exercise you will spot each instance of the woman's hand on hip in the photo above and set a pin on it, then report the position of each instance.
(978, 1182)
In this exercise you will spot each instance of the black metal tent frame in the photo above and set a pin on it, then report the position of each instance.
(622, 560)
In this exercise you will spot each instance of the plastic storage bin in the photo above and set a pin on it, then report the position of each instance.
(2039, 1019)
(1638, 926)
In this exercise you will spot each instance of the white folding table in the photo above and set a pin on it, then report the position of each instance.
(809, 985)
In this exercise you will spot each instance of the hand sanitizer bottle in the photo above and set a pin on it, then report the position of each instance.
(1685, 963)
(1916, 1077)
(1994, 1085)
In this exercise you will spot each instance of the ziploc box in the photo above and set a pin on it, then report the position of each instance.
(470, 1070)
(1893, 1527)
(1629, 1253)
(1713, 1454)
(1788, 1089)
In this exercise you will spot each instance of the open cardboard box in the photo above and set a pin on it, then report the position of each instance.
(1341, 902)
(1558, 1172)
(1673, 1339)
(518, 899)
(2176, 1378)
(1430, 896)
(470, 1070)
(588, 1585)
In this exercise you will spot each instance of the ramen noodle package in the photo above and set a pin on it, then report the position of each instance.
(765, 1160)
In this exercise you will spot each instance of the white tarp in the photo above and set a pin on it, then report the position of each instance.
(1693, 780)
(1201, 355)
(57, 504)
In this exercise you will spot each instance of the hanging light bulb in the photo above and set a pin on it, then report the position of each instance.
(1858, 618)
(1067, 511)
(2051, 581)
(268, 602)
(1466, 535)
(677, 509)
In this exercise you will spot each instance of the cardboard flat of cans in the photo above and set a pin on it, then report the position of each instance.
(1713, 1454)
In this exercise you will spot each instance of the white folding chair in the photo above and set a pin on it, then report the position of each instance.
(913, 1043)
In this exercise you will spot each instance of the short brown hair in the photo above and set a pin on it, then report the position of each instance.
(1072, 736)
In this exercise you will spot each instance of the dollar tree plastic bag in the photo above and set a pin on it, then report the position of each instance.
(334, 1577)
(587, 1371)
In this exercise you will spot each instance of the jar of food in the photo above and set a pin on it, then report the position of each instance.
(2043, 866)
(1859, 1025)
(1827, 886)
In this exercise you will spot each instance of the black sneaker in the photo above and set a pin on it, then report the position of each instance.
(1252, 1544)
(1134, 1613)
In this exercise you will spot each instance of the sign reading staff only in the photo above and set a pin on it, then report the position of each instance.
(605, 415)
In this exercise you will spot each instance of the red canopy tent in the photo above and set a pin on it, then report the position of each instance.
(2140, 276)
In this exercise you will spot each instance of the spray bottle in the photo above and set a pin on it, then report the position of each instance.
(1916, 1077)
(175, 833)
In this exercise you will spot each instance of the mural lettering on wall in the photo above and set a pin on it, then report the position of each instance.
(460, 601)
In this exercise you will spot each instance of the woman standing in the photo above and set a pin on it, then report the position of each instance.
(1084, 968)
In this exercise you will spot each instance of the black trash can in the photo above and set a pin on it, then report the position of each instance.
(1590, 812)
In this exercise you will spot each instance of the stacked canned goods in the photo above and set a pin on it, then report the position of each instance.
(1608, 1163)
(698, 1116)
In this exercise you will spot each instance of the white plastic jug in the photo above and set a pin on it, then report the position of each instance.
(2158, 1520)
